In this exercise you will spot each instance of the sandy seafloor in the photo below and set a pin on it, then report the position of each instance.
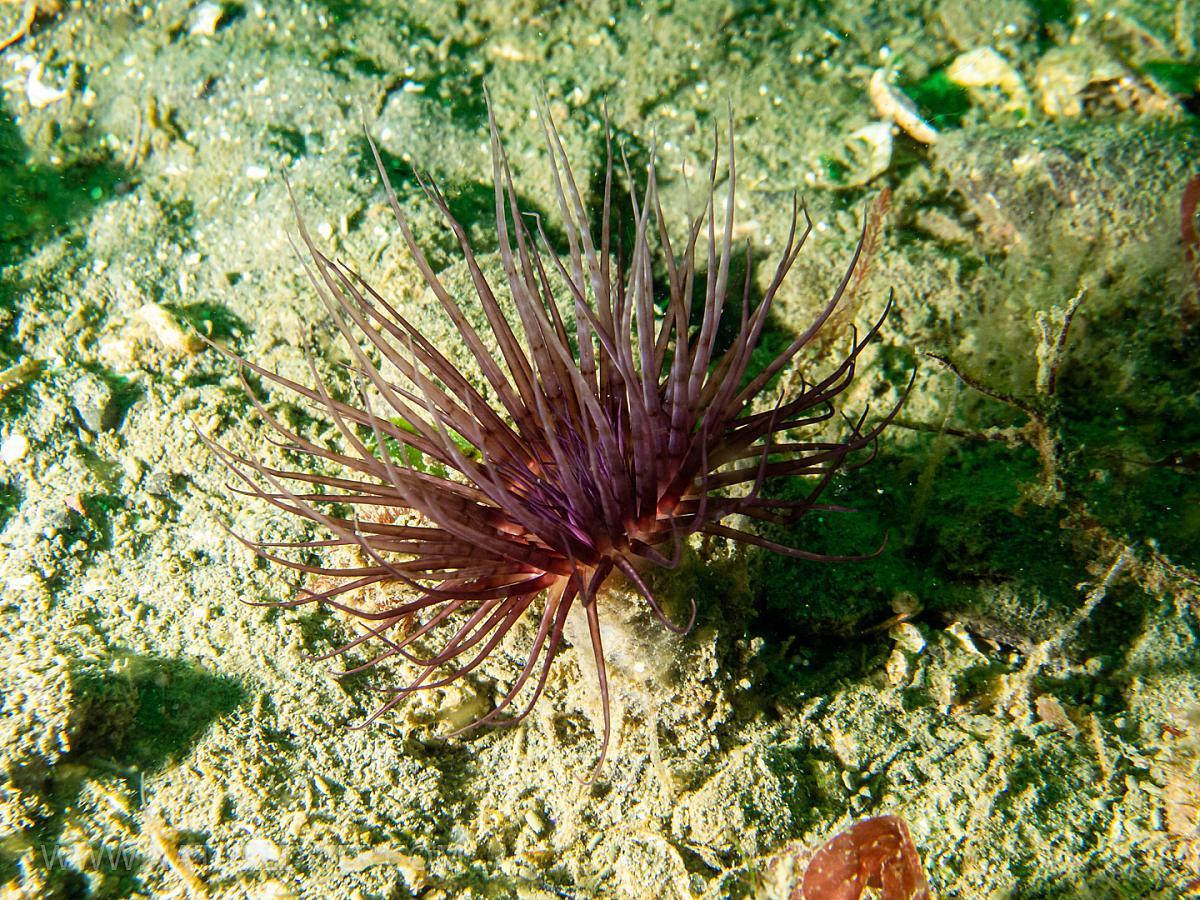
(1017, 675)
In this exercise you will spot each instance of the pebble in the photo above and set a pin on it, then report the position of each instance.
(897, 668)
(260, 851)
(165, 330)
(907, 636)
(158, 484)
(535, 822)
(205, 19)
(38, 93)
(984, 67)
(14, 448)
(55, 520)
(1053, 713)
(895, 106)
(94, 403)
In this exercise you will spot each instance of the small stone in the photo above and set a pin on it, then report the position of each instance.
(959, 633)
(274, 890)
(37, 92)
(132, 468)
(14, 448)
(908, 637)
(205, 19)
(260, 851)
(158, 484)
(897, 668)
(536, 823)
(54, 521)
(1053, 713)
(164, 330)
(94, 403)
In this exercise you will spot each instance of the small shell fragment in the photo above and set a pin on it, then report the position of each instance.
(205, 19)
(1050, 711)
(260, 851)
(897, 668)
(877, 138)
(960, 636)
(895, 106)
(37, 92)
(535, 822)
(165, 330)
(983, 67)
(412, 868)
(908, 637)
(14, 448)
(865, 154)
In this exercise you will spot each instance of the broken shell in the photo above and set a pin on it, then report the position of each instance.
(908, 637)
(895, 106)
(1070, 79)
(1061, 78)
(164, 329)
(983, 67)
(38, 93)
(897, 668)
(877, 138)
(205, 19)
(1065, 75)
(14, 448)
(865, 154)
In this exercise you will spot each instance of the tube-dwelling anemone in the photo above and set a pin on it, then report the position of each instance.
(615, 428)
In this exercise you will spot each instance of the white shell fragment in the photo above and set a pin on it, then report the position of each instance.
(897, 668)
(205, 19)
(1060, 83)
(893, 105)
(260, 851)
(865, 153)
(908, 637)
(164, 329)
(37, 92)
(983, 67)
(412, 868)
(14, 448)
(963, 639)
(877, 139)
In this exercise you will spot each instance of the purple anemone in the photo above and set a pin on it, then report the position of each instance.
(604, 427)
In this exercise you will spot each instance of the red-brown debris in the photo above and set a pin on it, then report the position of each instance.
(875, 854)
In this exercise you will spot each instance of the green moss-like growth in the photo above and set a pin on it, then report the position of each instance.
(145, 710)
